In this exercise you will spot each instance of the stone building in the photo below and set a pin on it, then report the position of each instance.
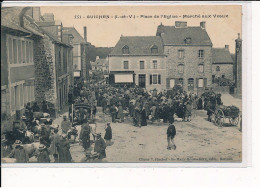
(138, 60)
(222, 64)
(79, 52)
(189, 55)
(17, 61)
(100, 65)
(36, 65)
(238, 66)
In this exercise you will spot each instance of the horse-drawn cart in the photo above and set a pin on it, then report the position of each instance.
(78, 113)
(223, 113)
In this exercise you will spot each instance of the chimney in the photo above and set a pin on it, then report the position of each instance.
(180, 24)
(227, 47)
(85, 33)
(203, 25)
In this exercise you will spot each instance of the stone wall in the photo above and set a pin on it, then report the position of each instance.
(225, 69)
(191, 63)
(45, 72)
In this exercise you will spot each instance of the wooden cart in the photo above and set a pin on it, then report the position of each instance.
(222, 114)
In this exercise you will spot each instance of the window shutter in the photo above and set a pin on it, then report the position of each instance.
(159, 79)
(167, 82)
(205, 82)
(151, 79)
(197, 82)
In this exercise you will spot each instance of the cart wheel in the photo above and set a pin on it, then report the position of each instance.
(234, 121)
(219, 118)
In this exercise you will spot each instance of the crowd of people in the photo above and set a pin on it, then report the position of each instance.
(120, 103)
(142, 105)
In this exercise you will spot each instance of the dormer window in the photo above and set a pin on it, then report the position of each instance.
(188, 40)
(154, 49)
(125, 50)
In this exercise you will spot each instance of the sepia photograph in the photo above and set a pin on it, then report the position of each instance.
(121, 84)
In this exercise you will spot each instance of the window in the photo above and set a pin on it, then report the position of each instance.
(188, 40)
(125, 50)
(19, 51)
(181, 81)
(155, 79)
(12, 99)
(181, 54)
(155, 64)
(181, 68)
(27, 52)
(15, 50)
(23, 51)
(126, 65)
(64, 60)
(154, 49)
(59, 63)
(223, 76)
(191, 83)
(31, 51)
(21, 95)
(141, 64)
(201, 53)
(213, 78)
(218, 68)
(201, 68)
(201, 83)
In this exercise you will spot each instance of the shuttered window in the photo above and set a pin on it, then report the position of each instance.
(126, 65)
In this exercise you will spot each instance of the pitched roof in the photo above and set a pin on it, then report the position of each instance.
(176, 36)
(77, 37)
(221, 56)
(10, 18)
(138, 45)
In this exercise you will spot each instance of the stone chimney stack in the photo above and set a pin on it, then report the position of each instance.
(203, 25)
(227, 47)
(85, 33)
(180, 24)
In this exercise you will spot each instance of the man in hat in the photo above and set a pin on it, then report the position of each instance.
(85, 135)
(108, 134)
(64, 150)
(100, 147)
(55, 141)
(171, 132)
(19, 153)
(65, 125)
(43, 155)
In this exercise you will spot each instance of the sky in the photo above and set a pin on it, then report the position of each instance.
(106, 32)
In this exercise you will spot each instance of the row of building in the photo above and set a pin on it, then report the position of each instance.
(176, 55)
(40, 60)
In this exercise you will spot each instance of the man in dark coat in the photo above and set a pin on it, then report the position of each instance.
(85, 135)
(171, 132)
(100, 147)
(35, 107)
(43, 155)
(108, 134)
(64, 150)
(55, 141)
(19, 153)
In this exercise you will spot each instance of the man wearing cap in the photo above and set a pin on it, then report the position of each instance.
(100, 146)
(65, 125)
(64, 150)
(43, 155)
(19, 153)
(55, 141)
(108, 134)
(85, 135)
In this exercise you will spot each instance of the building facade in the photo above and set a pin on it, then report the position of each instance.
(17, 62)
(222, 64)
(141, 56)
(189, 55)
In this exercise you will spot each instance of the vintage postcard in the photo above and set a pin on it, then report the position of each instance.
(122, 83)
